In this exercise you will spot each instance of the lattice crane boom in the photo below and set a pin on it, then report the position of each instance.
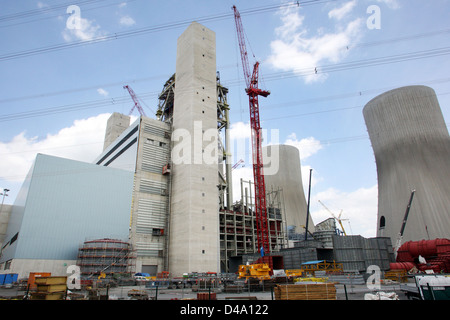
(253, 92)
(137, 105)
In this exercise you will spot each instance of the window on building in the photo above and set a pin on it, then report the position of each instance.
(14, 238)
(157, 232)
(8, 265)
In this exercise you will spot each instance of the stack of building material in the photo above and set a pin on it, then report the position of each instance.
(50, 288)
(305, 291)
(206, 296)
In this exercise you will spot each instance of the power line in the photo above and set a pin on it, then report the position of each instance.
(43, 10)
(151, 29)
(117, 100)
(305, 71)
(59, 15)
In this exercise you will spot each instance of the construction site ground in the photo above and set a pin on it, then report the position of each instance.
(354, 292)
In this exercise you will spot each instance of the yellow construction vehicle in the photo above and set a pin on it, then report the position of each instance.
(259, 271)
(294, 273)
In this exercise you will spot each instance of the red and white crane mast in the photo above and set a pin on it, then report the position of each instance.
(253, 92)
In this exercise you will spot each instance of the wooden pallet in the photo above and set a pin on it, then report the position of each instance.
(305, 291)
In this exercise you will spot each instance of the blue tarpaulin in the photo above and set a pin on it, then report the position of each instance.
(313, 262)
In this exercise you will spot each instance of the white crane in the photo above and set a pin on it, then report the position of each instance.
(338, 218)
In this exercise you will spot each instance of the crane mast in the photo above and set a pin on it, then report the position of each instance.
(135, 100)
(253, 92)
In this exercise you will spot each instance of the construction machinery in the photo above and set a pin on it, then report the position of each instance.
(337, 218)
(259, 271)
(137, 105)
(402, 229)
(253, 92)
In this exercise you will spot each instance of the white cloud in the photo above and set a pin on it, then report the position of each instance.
(240, 130)
(360, 207)
(294, 50)
(127, 21)
(85, 30)
(307, 146)
(340, 13)
(82, 141)
(102, 92)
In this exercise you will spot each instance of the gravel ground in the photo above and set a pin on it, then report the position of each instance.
(354, 292)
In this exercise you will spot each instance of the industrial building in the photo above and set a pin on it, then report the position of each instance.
(411, 144)
(158, 198)
(61, 204)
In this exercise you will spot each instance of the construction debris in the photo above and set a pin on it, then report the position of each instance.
(381, 296)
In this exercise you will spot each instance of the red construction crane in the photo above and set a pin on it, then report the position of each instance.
(136, 101)
(252, 90)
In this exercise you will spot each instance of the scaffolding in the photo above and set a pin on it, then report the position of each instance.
(238, 225)
(105, 256)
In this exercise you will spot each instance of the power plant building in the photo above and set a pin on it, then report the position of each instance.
(411, 144)
(61, 204)
(161, 188)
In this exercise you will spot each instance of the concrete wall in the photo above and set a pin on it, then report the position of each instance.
(412, 151)
(23, 267)
(194, 236)
(289, 178)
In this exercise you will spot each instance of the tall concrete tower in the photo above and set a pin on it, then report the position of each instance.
(412, 151)
(117, 124)
(194, 221)
(289, 178)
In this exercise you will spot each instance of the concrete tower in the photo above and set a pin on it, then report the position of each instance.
(194, 224)
(289, 178)
(117, 124)
(412, 151)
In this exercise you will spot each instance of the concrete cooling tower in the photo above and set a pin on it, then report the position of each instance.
(412, 152)
(288, 177)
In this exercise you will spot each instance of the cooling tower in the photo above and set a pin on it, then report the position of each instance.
(288, 177)
(412, 151)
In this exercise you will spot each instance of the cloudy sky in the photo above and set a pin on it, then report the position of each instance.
(63, 65)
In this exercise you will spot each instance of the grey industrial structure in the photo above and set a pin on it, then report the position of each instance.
(412, 152)
(160, 192)
(62, 203)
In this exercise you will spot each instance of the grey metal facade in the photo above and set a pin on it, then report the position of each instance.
(62, 203)
(144, 149)
(357, 253)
